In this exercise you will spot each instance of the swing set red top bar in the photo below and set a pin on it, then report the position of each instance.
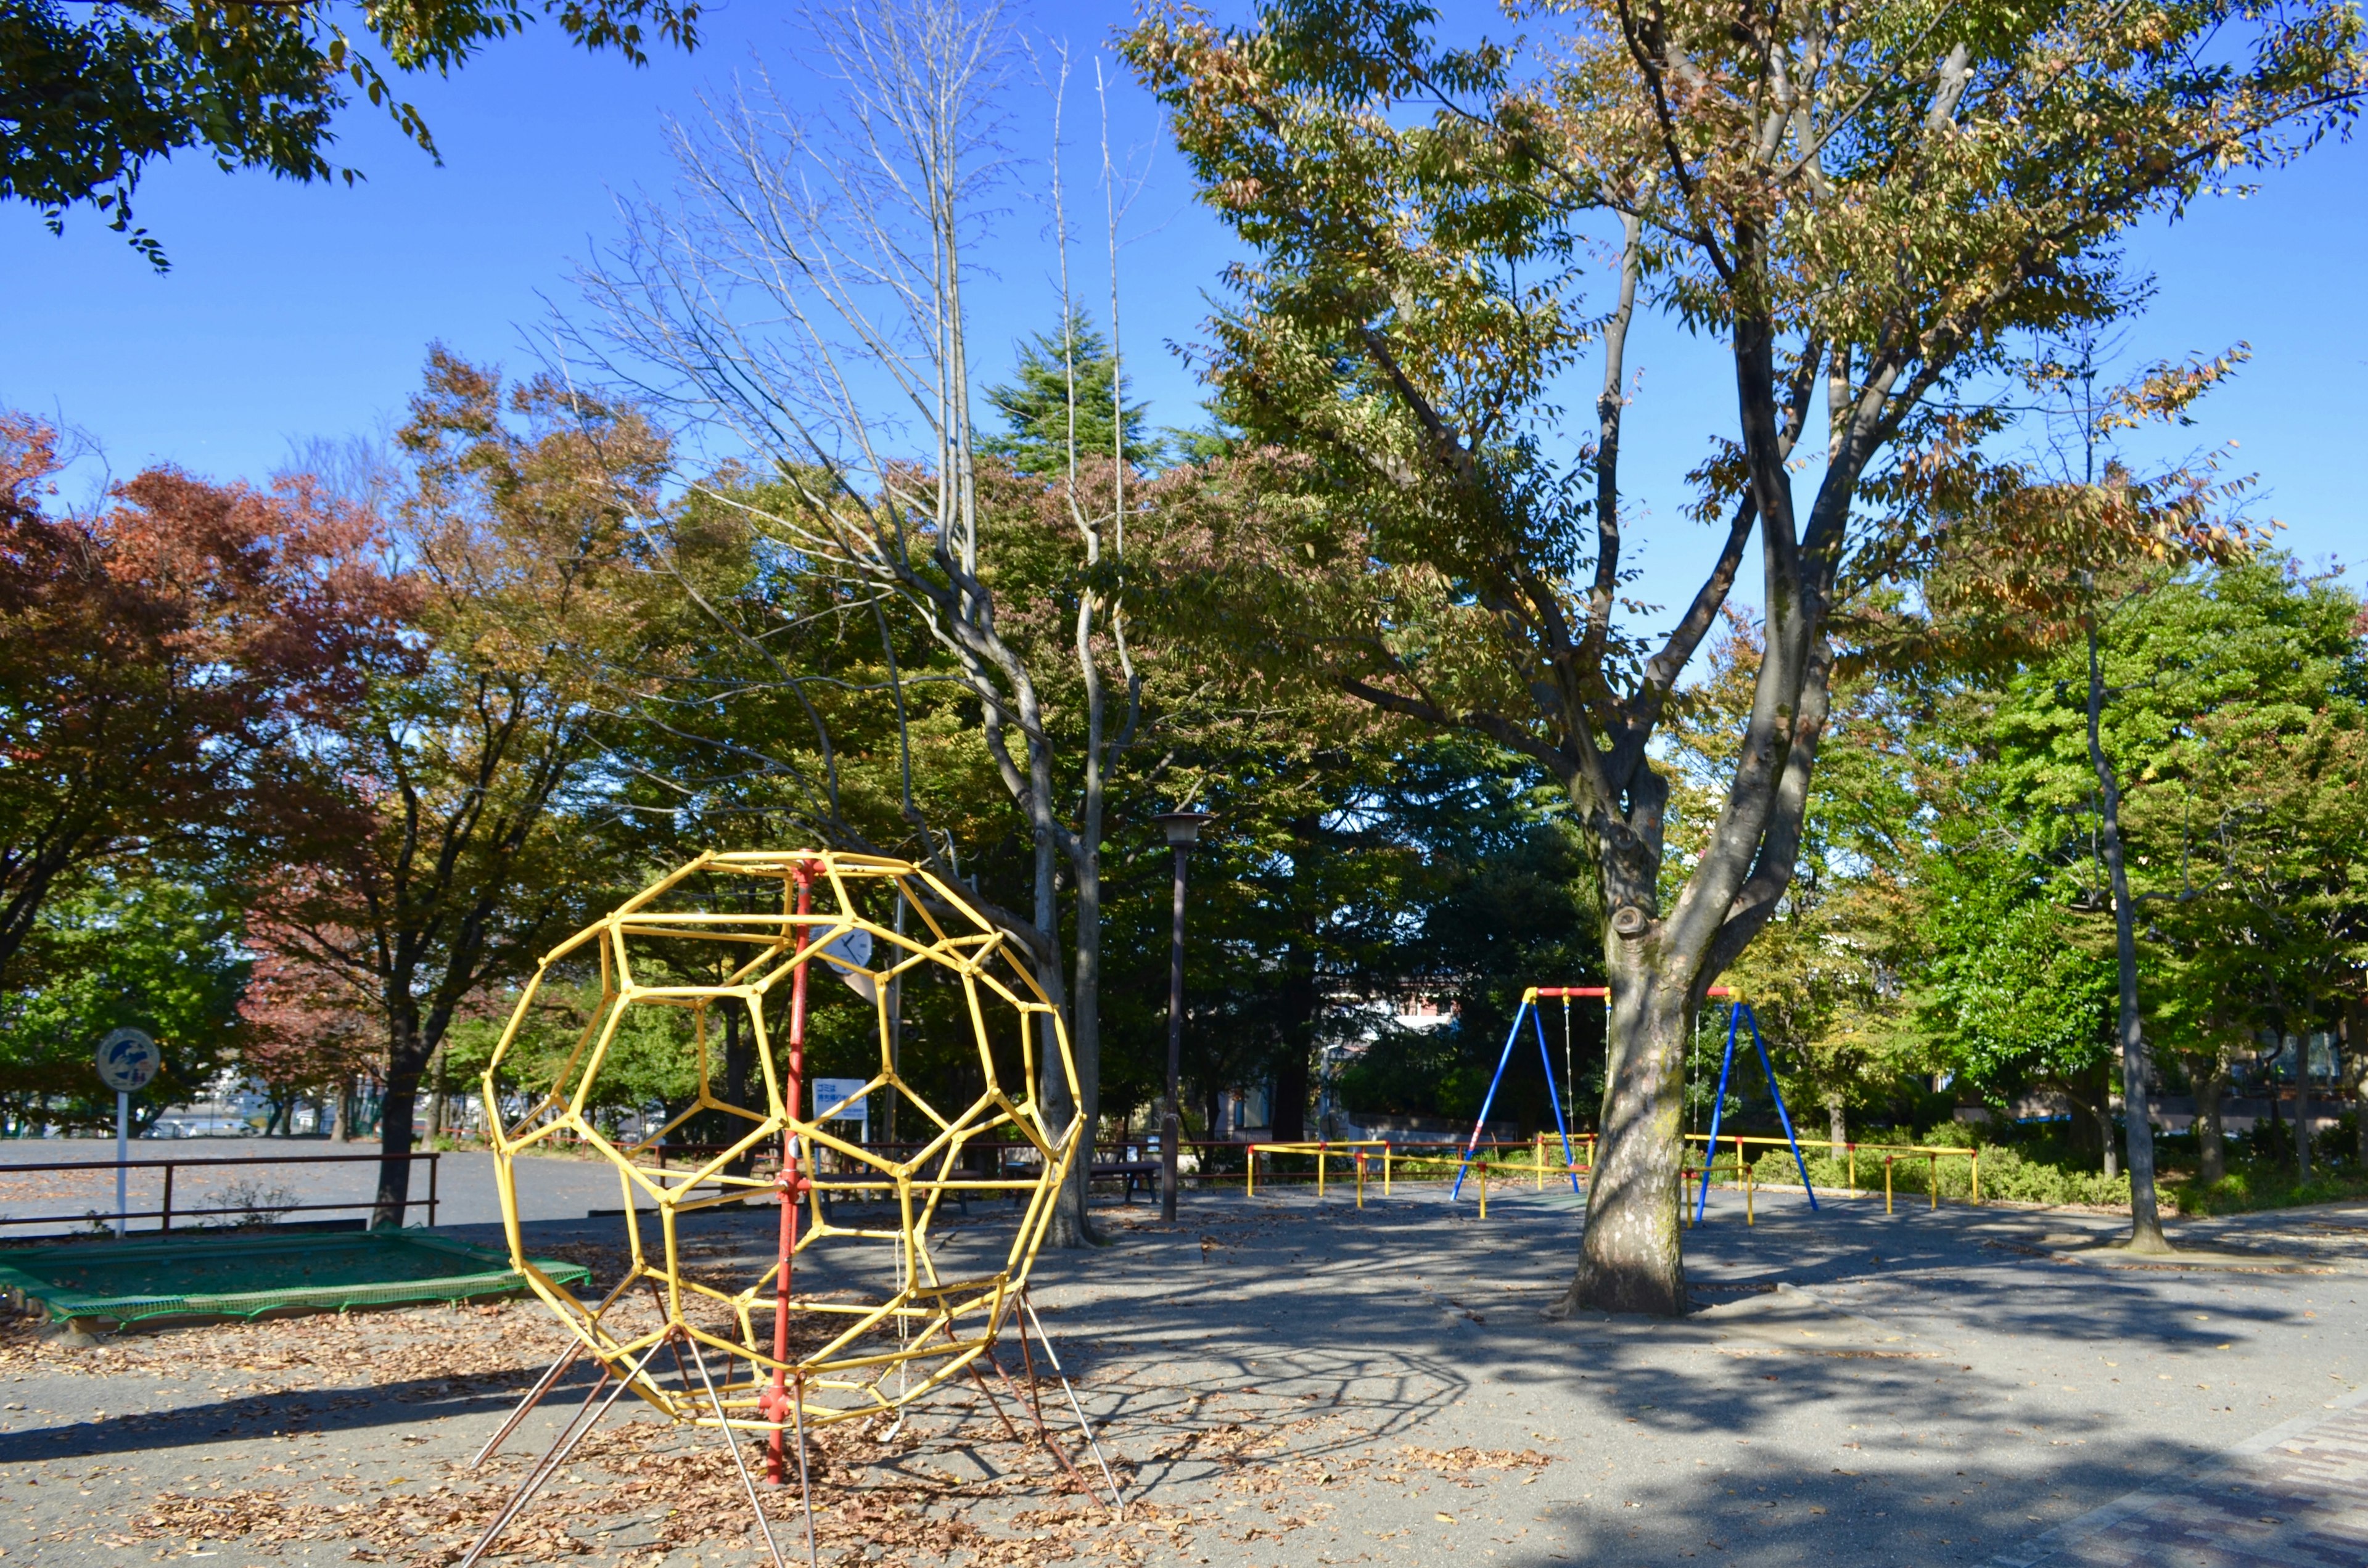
(1604, 991)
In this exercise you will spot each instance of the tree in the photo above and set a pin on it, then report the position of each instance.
(1862, 203)
(1061, 401)
(1827, 978)
(302, 1032)
(116, 946)
(2012, 993)
(89, 99)
(2065, 547)
(163, 663)
(807, 303)
(2242, 721)
(461, 846)
(2222, 707)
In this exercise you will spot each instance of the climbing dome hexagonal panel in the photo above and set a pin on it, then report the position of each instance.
(865, 1305)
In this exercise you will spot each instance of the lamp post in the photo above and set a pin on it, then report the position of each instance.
(1182, 828)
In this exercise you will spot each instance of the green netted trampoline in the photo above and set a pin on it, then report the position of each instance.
(247, 1275)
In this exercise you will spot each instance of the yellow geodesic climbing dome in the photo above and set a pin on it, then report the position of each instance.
(887, 1310)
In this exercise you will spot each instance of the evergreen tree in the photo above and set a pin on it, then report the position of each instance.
(1036, 406)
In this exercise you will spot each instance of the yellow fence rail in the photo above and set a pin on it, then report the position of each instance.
(1730, 1162)
(1325, 1150)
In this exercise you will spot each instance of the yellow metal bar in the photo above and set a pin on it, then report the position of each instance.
(1886, 1181)
(1483, 1189)
(1385, 1170)
(1935, 1178)
(1319, 1172)
(1748, 1190)
(1360, 1178)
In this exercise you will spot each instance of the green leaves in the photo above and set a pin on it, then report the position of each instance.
(113, 948)
(91, 95)
(1057, 373)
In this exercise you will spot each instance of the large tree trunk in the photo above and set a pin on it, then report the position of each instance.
(2355, 1065)
(1086, 1043)
(2091, 1127)
(1837, 1125)
(2137, 1068)
(1069, 1226)
(434, 1077)
(1289, 1111)
(2211, 1138)
(2302, 1106)
(1301, 1001)
(1629, 1258)
(397, 1120)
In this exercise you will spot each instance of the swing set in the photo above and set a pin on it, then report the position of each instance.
(1738, 1013)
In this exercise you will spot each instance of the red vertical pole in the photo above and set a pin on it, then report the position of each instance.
(791, 1185)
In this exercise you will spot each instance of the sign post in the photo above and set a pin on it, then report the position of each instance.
(128, 1060)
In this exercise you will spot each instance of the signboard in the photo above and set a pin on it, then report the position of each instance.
(828, 1092)
(128, 1059)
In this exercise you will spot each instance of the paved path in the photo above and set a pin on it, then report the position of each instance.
(2294, 1495)
(1291, 1386)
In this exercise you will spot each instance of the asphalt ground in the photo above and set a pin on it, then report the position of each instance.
(1285, 1383)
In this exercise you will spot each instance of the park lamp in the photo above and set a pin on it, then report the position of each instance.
(1183, 830)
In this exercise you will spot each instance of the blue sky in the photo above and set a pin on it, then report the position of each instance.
(301, 310)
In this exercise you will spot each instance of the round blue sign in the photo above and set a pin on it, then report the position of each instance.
(128, 1059)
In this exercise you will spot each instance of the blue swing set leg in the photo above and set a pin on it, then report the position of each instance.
(1529, 1009)
(1781, 1114)
(1735, 1014)
(1490, 1099)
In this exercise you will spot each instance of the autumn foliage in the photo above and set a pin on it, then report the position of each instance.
(159, 655)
